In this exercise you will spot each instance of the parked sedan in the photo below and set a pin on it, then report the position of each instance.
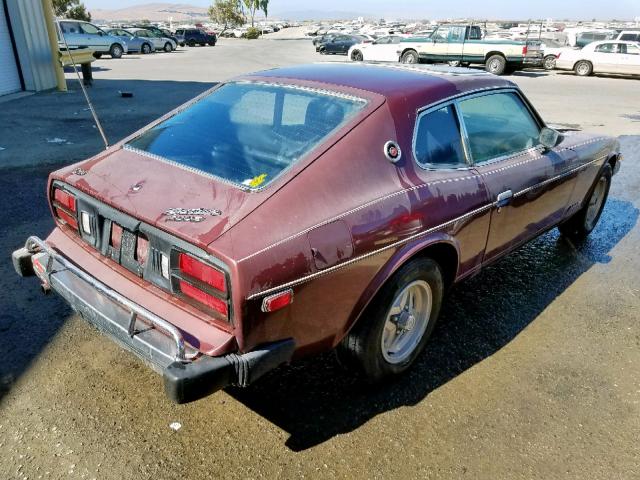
(135, 43)
(613, 56)
(159, 41)
(332, 206)
(80, 34)
(383, 49)
(339, 43)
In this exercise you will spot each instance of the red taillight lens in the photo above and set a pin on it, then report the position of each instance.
(65, 200)
(64, 206)
(200, 271)
(204, 298)
(524, 50)
(277, 301)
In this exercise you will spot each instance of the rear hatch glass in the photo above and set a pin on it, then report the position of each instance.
(248, 133)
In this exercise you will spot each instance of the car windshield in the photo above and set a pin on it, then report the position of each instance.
(248, 133)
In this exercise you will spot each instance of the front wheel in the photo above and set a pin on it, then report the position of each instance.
(97, 55)
(582, 223)
(116, 51)
(395, 327)
(410, 56)
(356, 56)
(496, 64)
(191, 43)
(168, 47)
(583, 68)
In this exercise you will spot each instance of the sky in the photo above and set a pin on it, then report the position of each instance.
(498, 9)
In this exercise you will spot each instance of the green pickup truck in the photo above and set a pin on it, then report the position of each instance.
(464, 44)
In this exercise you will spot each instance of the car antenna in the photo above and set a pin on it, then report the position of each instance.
(86, 95)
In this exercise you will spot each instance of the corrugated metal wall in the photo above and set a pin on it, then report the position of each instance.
(32, 42)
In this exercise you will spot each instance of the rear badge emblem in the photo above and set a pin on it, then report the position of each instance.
(79, 171)
(190, 214)
(137, 187)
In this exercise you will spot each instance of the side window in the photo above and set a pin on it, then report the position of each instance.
(498, 124)
(457, 34)
(89, 29)
(441, 35)
(605, 48)
(475, 33)
(69, 27)
(633, 50)
(438, 142)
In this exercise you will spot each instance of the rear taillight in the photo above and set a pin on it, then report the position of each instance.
(210, 301)
(64, 206)
(524, 50)
(203, 283)
(200, 271)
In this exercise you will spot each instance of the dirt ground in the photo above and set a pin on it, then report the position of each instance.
(532, 372)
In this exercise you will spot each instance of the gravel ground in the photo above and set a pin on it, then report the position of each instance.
(531, 373)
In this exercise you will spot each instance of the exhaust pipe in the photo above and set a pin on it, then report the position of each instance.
(46, 288)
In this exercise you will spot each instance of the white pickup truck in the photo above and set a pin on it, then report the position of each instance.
(464, 44)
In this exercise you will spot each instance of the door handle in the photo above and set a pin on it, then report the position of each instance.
(504, 199)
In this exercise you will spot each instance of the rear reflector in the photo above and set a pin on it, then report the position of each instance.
(200, 271)
(209, 300)
(277, 301)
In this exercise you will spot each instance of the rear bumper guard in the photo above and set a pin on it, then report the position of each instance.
(188, 375)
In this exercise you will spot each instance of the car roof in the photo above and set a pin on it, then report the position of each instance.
(391, 80)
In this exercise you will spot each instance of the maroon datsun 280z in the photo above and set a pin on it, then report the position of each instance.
(307, 208)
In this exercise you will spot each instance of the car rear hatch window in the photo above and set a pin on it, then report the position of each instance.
(248, 133)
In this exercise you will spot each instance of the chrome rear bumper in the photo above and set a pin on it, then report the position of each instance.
(188, 374)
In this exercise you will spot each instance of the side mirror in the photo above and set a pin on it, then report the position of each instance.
(549, 137)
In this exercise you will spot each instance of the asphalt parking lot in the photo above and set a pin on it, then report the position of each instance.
(532, 372)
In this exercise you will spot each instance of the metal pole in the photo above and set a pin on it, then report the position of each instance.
(47, 8)
(86, 95)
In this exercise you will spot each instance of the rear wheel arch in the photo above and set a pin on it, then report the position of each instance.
(492, 53)
(442, 249)
(613, 161)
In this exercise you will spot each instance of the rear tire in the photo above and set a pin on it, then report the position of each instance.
(168, 47)
(496, 64)
(583, 68)
(410, 57)
(582, 223)
(145, 49)
(116, 51)
(212, 44)
(97, 55)
(395, 327)
(191, 43)
(549, 62)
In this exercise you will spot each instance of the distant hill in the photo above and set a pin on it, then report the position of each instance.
(154, 12)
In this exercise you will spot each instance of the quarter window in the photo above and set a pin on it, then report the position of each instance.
(498, 124)
(438, 142)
